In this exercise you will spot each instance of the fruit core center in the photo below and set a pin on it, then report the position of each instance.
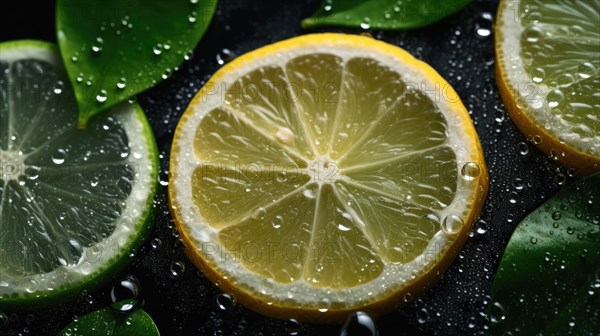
(12, 164)
(324, 170)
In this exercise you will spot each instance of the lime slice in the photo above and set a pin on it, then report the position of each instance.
(317, 176)
(549, 76)
(74, 203)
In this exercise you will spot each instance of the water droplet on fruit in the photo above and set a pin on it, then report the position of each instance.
(538, 75)
(59, 156)
(452, 224)
(277, 221)
(555, 98)
(470, 171)
(586, 70)
(533, 34)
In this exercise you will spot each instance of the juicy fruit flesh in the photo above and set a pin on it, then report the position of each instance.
(324, 170)
(560, 48)
(61, 189)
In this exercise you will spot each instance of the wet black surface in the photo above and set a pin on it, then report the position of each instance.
(185, 304)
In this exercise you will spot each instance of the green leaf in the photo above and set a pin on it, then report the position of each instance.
(383, 14)
(548, 282)
(117, 49)
(108, 322)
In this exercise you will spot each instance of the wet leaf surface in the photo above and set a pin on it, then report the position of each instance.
(383, 14)
(113, 51)
(548, 281)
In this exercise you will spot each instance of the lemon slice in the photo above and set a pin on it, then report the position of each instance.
(74, 204)
(324, 174)
(548, 56)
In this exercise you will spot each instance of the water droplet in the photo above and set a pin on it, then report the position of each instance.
(586, 70)
(98, 45)
(366, 23)
(293, 327)
(193, 17)
(538, 75)
(496, 312)
(565, 80)
(74, 59)
(224, 56)
(277, 221)
(422, 315)
(94, 181)
(470, 171)
(533, 240)
(157, 49)
(127, 288)
(58, 88)
(260, 213)
(309, 193)
(556, 215)
(3, 319)
(359, 323)
(555, 98)
(452, 224)
(523, 148)
(122, 83)
(177, 269)
(560, 179)
(59, 156)
(327, 8)
(532, 34)
(570, 230)
(156, 243)
(225, 302)
(167, 73)
(101, 96)
(518, 183)
(484, 32)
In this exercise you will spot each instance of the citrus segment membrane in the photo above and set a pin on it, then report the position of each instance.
(73, 202)
(330, 195)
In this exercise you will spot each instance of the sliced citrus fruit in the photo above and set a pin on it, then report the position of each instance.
(548, 56)
(324, 174)
(74, 203)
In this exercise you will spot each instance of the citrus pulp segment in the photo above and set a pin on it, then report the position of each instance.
(319, 175)
(74, 203)
(548, 56)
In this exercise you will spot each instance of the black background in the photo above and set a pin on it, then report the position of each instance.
(186, 305)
